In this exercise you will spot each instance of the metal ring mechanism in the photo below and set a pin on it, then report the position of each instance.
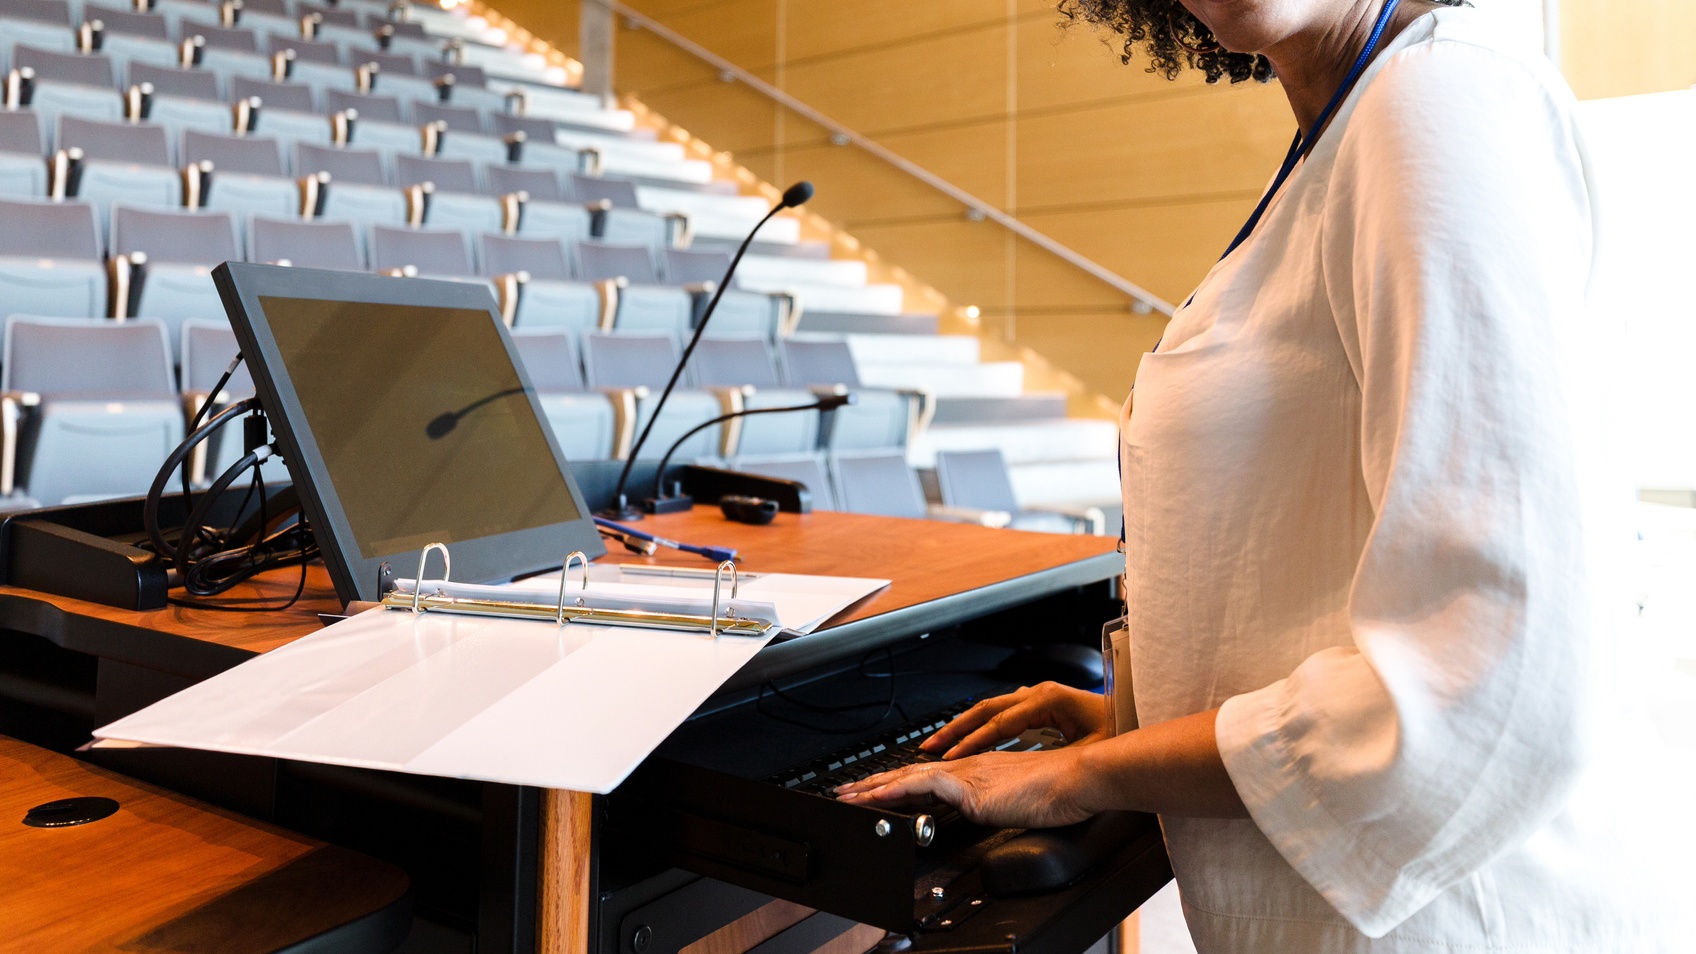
(575, 556)
(718, 580)
(423, 560)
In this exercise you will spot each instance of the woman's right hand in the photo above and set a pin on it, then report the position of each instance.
(1080, 715)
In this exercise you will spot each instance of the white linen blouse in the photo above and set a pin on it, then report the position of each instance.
(1364, 516)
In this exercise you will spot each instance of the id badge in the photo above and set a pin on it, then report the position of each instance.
(1118, 695)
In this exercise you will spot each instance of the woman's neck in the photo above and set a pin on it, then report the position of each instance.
(1312, 63)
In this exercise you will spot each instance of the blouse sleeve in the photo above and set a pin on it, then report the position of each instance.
(1457, 245)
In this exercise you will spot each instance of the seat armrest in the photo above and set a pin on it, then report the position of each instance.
(625, 402)
(14, 407)
(680, 229)
(921, 408)
(983, 518)
(608, 289)
(1090, 520)
(509, 289)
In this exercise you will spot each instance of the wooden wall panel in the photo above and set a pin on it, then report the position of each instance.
(939, 80)
(819, 28)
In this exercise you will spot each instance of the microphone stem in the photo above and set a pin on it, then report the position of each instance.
(659, 478)
(624, 475)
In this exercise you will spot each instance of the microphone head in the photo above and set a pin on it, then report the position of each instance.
(441, 425)
(797, 195)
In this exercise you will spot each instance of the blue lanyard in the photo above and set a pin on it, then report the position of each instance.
(1302, 145)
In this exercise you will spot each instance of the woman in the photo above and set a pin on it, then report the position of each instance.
(1362, 528)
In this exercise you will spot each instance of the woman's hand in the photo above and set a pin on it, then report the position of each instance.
(1081, 716)
(1000, 789)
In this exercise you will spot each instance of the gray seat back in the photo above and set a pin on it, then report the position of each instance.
(85, 69)
(235, 39)
(543, 258)
(56, 12)
(819, 362)
(542, 185)
(306, 244)
(550, 358)
(597, 262)
(431, 251)
(304, 50)
(628, 360)
(296, 97)
(448, 175)
(454, 118)
(248, 155)
(619, 192)
(392, 64)
(208, 347)
(878, 482)
(169, 81)
(115, 142)
(74, 357)
(686, 267)
(20, 132)
(806, 469)
(976, 479)
(534, 128)
(370, 106)
(64, 230)
(165, 236)
(732, 362)
(349, 166)
(128, 22)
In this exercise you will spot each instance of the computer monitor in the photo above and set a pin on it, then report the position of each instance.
(405, 418)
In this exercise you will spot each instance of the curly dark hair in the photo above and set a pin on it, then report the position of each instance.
(1172, 38)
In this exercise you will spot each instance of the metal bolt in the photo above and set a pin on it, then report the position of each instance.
(643, 937)
(924, 830)
(938, 893)
(975, 215)
(945, 922)
(840, 139)
(882, 827)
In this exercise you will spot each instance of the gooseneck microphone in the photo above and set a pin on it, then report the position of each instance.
(661, 503)
(793, 197)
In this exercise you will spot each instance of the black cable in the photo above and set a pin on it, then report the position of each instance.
(200, 415)
(889, 704)
(155, 493)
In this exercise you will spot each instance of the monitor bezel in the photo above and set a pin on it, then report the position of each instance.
(356, 577)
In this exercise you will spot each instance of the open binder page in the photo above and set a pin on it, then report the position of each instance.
(803, 602)
(575, 706)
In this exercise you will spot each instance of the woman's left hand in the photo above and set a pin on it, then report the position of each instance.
(1001, 789)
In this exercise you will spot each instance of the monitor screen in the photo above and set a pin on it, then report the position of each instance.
(406, 419)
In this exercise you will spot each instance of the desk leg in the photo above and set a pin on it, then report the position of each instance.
(562, 908)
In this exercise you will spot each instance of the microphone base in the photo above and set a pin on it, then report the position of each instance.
(674, 504)
(620, 510)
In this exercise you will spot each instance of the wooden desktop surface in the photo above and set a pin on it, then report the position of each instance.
(168, 874)
(927, 560)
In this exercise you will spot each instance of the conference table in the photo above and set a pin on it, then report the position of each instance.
(943, 576)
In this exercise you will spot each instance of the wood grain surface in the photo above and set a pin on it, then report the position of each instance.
(562, 902)
(926, 559)
(164, 873)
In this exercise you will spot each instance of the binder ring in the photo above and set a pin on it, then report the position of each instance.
(575, 556)
(718, 579)
(423, 560)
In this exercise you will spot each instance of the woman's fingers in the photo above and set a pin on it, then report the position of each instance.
(963, 724)
(920, 784)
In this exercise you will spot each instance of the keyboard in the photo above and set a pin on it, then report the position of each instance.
(892, 750)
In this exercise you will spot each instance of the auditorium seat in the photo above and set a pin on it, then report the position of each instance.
(357, 188)
(186, 17)
(248, 176)
(878, 418)
(181, 248)
(305, 243)
(130, 37)
(547, 298)
(740, 313)
(476, 146)
(207, 348)
(434, 253)
(617, 218)
(22, 170)
(645, 361)
(806, 469)
(979, 479)
(68, 84)
(43, 24)
(228, 51)
(286, 111)
(388, 63)
(108, 411)
(453, 196)
(121, 162)
(584, 423)
(546, 210)
(321, 76)
(641, 304)
(180, 99)
(744, 371)
(880, 482)
(50, 259)
(417, 90)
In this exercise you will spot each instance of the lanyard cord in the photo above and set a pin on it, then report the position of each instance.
(1299, 148)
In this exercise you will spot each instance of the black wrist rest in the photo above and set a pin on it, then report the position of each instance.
(1045, 859)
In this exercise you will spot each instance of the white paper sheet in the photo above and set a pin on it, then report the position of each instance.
(499, 700)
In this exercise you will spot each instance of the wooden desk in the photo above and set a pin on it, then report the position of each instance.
(943, 574)
(167, 874)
